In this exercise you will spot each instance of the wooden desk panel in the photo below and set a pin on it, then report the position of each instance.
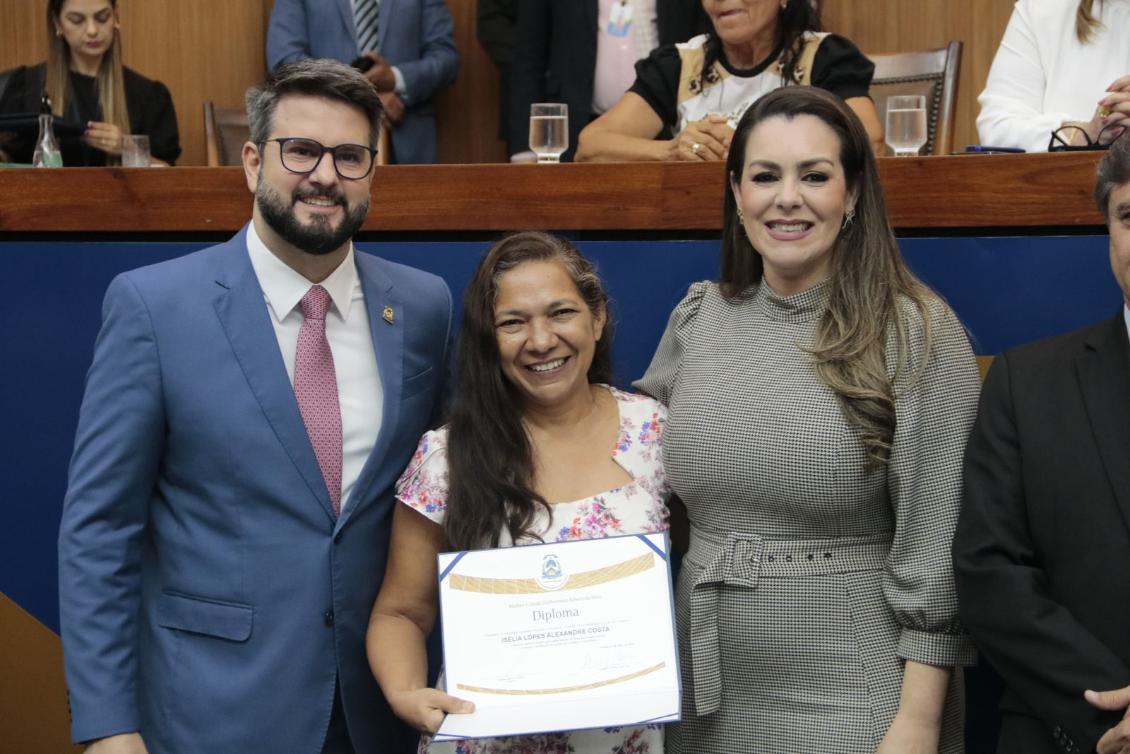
(975, 192)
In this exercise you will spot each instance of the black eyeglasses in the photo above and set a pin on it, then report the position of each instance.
(351, 161)
(1068, 138)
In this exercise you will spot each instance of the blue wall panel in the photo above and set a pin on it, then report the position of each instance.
(1013, 290)
(1006, 290)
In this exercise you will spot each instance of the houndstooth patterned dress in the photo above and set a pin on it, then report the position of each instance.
(809, 579)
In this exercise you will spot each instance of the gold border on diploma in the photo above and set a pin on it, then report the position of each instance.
(581, 580)
(563, 689)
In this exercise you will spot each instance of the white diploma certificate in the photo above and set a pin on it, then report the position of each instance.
(557, 637)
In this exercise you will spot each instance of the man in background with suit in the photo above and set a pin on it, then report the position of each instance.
(247, 412)
(583, 53)
(410, 45)
(1042, 549)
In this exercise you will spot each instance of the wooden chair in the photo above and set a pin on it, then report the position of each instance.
(384, 145)
(932, 73)
(226, 129)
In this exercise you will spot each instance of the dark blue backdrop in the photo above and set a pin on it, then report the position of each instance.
(1006, 290)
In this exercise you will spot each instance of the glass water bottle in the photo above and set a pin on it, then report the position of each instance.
(47, 154)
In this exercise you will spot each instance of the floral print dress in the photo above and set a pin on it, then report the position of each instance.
(638, 507)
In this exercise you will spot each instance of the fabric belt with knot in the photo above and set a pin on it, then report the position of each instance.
(741, 559)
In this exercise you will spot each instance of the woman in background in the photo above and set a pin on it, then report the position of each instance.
(87, 84)
(1060, 63)
(539, 449)
(819, 398)
(699, 89)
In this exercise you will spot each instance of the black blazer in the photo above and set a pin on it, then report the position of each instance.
(1042, 549)
(555, 58)
(148, 104)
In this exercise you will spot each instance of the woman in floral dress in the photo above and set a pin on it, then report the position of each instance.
(538, 449)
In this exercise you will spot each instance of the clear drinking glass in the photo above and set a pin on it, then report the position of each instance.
(549, 130)
(906, 124)
(135, 151)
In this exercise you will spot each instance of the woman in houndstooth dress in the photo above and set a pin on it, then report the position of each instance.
(819, 399)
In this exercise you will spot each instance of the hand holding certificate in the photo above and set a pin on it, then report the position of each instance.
(558, 637)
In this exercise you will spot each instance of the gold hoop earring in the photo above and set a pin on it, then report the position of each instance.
(849, 218)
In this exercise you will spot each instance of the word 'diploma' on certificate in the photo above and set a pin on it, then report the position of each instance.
(559, 637)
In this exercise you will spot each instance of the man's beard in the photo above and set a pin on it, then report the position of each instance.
(319, 236)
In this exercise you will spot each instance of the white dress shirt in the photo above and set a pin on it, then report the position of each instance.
(359, 389)
(1042, 75)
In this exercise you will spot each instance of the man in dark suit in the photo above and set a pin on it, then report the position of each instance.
(248, 410)
(555, 53)
(1042, 549)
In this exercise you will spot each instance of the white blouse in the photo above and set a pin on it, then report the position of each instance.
(1042, 76)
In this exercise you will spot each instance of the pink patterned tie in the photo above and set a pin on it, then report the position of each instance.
(315, 386)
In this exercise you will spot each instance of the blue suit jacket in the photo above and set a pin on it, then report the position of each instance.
(208, 596)
(416, 36)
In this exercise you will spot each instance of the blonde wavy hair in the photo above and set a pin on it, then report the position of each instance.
(1086, 23)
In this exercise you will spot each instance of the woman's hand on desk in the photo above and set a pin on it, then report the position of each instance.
(1113, 109)
(706, 139)
(425, 709)
(104, 136)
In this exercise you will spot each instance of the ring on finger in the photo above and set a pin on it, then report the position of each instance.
(695, 147)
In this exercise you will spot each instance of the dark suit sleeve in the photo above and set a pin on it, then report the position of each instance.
(118, 448)
(1045, 656)
(288, 33)
(531, 62)
(494, 28)
(160, 123)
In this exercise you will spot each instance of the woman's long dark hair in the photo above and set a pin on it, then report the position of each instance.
(797, 17)
(490, 461)
(867, 271)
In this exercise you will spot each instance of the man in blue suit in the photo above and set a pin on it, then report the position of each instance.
(414, 58)
(247, 412)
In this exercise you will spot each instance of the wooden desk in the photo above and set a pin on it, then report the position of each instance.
(972, 192)
(65, 233)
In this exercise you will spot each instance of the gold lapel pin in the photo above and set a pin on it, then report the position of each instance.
(389, 315)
